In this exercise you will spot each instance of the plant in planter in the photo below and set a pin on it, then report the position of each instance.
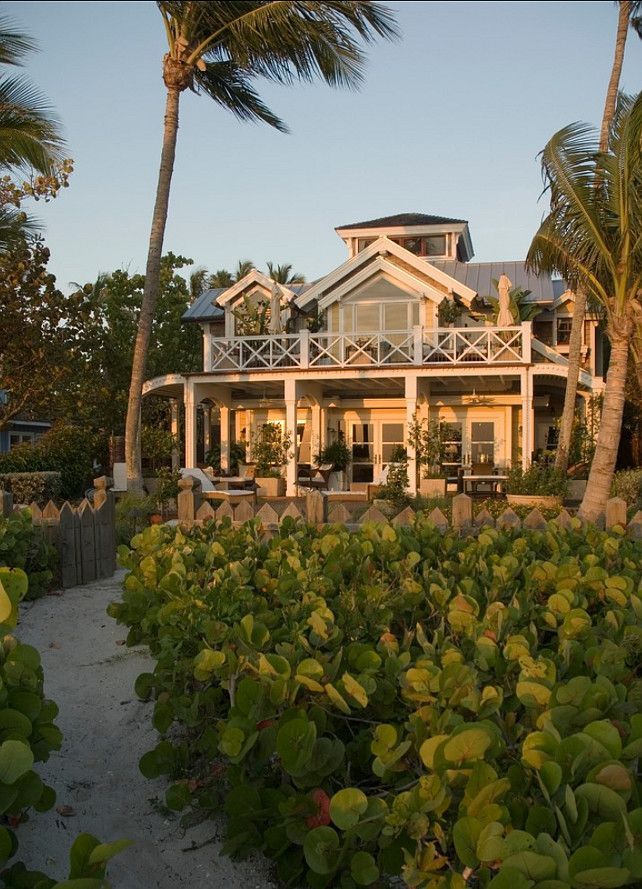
(539, 485)
(237, 455)
(448, 312)
(168, 480)
(271, 451)
(338, 454)
(157, 445)
(426, 439)
(395, 490)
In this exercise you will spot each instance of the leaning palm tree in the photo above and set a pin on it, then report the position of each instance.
(29, 132)
(628, 15)
(219, 48)
(243, 268)
(593, 236)
(283, 274)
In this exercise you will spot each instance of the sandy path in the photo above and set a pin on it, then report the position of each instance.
(106, 730)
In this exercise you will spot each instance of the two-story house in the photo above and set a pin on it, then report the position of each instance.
(362, 352)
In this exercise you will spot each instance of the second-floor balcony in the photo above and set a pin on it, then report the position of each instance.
(393, 348)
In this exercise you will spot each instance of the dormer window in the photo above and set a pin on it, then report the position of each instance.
(363, 243)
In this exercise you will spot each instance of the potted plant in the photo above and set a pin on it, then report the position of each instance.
(168, 480)
(448, 312)
(540, 485)
(157, 445)
(271, 451)
(394, 494)
(426, 440)
(338, 454)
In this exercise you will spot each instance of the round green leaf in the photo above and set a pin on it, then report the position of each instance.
(320, 849)
(467, 746)
(177, 797)
(363, 869)
(346, 807)
(16, 758)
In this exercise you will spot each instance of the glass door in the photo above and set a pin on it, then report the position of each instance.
(363, 455)
(482, 444)
(390, 438)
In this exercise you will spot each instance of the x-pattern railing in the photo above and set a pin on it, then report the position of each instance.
(463, 345)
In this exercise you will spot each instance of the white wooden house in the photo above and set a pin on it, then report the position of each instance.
(362, 353)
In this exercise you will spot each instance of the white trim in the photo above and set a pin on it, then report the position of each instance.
(388, 269)
(46, 423)
(252, 277)
(383, 245)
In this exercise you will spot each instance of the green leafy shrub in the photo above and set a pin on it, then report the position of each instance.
(132, 515)
(270, 449)
(157, 445)
(30, 487)
(65, 449)
(539, 479)
(337, 453)
(88, 859)
(627, 484)
(23, 546)
(458, 711)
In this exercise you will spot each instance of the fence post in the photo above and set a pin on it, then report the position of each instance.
(6, 504)
(462, 511)
(104, 495)
(316, 507)
(188, 499)
(67, 549)
(615, 513)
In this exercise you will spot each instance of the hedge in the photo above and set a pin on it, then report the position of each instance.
(28, 487)
(23, 546)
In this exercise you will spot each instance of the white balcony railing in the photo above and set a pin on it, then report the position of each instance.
(393, 348)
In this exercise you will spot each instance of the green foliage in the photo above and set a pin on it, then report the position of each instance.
(338, 453)
(426, 438)
(270, 449)
(237, 455)
(539, 479)
(396, 487)
(23, 546)
(397, 702)
(64, 449)
(449, 311)
(521, 308)
(157, 445)
(30, 487)
(132, 515)
(88, 859)
(627, 484)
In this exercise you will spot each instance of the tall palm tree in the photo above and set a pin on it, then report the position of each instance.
(220, 278)
(198, 282)
(243, 268)
(593, 236)
(219, 48)
(283, 274)
(628, 15)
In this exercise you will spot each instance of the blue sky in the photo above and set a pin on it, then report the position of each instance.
(450, 120)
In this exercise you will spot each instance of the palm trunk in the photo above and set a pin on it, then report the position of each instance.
(150, 293)
(624, 17)
(574, 356)
(579, 311)
(598, 488)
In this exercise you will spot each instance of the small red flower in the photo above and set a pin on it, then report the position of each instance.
(265, 723)
(322, 816)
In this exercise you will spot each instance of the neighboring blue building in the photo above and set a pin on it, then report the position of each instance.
(21, 430)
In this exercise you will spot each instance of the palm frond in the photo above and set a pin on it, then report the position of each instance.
(29, 131)
(229, 85)
(14, 45)
(15, 225)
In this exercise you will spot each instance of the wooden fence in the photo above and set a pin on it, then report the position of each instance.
(316, 509)
(84, 536)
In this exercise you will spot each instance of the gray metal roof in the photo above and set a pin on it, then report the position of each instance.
(479, 277)
(403, 219)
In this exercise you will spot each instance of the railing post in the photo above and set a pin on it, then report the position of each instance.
(304, 343)
(418, 344)
(527, 327)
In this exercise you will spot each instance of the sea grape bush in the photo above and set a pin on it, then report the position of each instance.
(23, 546)
(460, 712)
(27, 736)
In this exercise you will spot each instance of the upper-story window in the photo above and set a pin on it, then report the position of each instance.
(431, 245)
(564, 331)
(362, 243)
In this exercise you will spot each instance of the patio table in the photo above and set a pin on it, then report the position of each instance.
(495, 482)
(234, 481)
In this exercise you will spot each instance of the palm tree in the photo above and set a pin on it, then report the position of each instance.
(198, 282)
(29, 132)
(219, 48)
(593, 236)
(628, 15)
(283, 274)
(243, 268)
(221, 278)
(520, 306)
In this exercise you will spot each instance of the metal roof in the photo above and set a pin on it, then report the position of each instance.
(479, 277)
(403, 219)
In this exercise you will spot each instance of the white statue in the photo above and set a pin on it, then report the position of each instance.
(505, 316)
(275, 325)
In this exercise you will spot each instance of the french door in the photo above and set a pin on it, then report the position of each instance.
(373, 444)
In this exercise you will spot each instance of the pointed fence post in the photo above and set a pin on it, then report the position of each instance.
(87, 542)
(615, 513)
(105, 503)
(188, 499)
(316, 508)
(68, 558)
(462, 511)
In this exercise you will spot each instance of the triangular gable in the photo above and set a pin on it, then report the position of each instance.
(252, 277)
(410, 265)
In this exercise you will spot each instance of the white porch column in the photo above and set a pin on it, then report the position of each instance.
(225, 438)
(528, 423)
(316, 438)
(190, 428)
(207, 428)
(508, 436)
(290, 427)
(176, 452)
(411, 409)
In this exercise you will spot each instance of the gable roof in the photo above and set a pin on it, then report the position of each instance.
(402, 219)
(380, 248)
(479, 277)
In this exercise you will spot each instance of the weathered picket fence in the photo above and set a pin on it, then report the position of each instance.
(84, 536)
(316, 509)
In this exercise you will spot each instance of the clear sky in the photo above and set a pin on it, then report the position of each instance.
(450, 120)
